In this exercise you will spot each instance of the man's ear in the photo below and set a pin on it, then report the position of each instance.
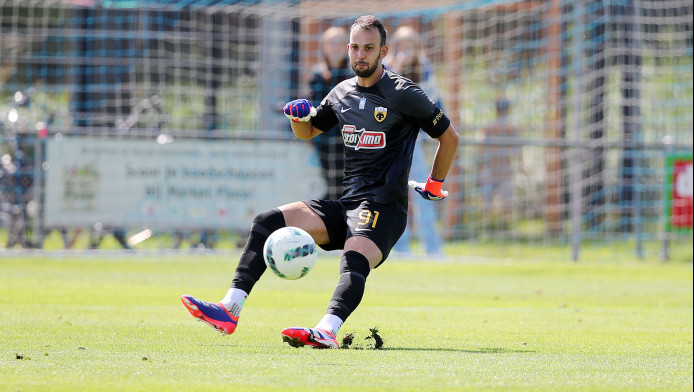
(384, 51)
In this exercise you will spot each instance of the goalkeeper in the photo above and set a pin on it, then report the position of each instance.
(379, 114)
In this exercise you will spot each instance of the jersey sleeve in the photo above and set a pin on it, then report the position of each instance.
(325, 118)
(435, 124)
(429, 117)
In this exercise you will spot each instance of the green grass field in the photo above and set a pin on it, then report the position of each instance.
(115, 323)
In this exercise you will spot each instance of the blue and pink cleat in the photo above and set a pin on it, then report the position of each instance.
(213, 314)
(314, 337)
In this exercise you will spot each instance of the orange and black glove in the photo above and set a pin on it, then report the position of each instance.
(431, 190)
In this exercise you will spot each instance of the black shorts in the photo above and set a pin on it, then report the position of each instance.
(381, 223)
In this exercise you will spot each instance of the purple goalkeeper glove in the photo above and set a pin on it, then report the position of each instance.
(431, 190)
(299, 110)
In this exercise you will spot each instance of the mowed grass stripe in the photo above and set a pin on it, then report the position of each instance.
(105, 325)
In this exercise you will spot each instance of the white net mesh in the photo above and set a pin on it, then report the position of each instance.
(570, 112)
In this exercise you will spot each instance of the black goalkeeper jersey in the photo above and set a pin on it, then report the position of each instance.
(379, 126)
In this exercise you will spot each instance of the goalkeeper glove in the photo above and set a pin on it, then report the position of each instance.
(431, 190)
(299, 110)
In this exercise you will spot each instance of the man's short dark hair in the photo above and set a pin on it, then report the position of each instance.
(369, 21)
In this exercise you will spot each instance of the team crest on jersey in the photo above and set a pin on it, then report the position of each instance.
(358, 139)
(380, 113)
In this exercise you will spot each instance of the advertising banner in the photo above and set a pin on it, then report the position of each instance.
(220, 184)
(678, 193)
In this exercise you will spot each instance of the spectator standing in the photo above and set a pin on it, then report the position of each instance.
(407, 58)
(496, 162)
(332, 69)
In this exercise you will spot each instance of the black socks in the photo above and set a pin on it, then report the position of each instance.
(251, 265)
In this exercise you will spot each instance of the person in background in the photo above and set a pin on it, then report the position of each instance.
(407, 58)
(496, 162)
(331, 70)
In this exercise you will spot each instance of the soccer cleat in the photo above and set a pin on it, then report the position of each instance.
(213, 314)
(317, 338)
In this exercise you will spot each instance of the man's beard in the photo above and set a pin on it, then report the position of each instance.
(366, 72)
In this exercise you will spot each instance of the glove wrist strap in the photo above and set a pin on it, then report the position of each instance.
(433, 185)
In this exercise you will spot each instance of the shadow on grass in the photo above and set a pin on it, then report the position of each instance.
(484, 350)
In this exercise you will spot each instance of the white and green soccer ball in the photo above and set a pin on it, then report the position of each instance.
(290, 252)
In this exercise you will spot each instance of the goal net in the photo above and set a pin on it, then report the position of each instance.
(575, 116)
